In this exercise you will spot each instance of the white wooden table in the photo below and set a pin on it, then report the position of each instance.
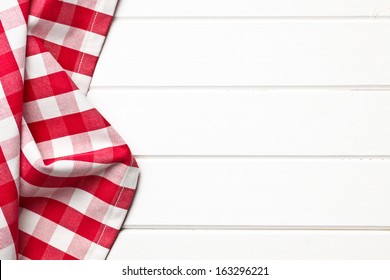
(262, 128)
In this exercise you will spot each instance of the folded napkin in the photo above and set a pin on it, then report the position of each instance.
(66, 177)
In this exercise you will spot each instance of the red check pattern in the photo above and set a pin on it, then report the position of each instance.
(67, 177)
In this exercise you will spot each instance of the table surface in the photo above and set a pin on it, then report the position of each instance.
(262, 128)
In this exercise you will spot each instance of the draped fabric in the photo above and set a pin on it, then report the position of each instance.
(67, 178)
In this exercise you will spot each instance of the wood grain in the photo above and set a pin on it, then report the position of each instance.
(251, 8)
(297, 122)
(245, 244)
(246, 52)
(197, 191)
(247, 115)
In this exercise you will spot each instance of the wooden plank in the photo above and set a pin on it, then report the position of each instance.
(252, 8)
(198, 191)
(248, 121)
(247, 244)
(245, 52)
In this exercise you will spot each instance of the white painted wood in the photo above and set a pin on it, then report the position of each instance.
(248, 121)
(261, 192)
(180, 77)
(251, 8)
(246, 244)
(245, 52)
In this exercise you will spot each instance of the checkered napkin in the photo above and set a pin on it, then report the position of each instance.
(66, 177)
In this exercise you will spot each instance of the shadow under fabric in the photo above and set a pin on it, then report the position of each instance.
(67, 178)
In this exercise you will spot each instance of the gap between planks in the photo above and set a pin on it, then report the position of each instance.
(256, 228)
(265, 88)
(271, 157)
(248, 18)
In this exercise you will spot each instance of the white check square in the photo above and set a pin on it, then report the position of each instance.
(58, 33)
(80, 200)
(49, 107)
(100, 139)
(62, 147)
(61, 238)
(28, 221)
(35, 67)
(8, 129)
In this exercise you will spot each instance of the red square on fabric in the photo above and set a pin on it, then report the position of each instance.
(4, 47)
(89, 228)
(35, 204)
(61, 83)
(93, 120)
(12, 83)
(24, 7)
(122, 201)
(34, 246)
(35, 46)
(88, 65)
(10, 212)
(54, 210)
(68, 58)
(109, 235)
(40, 131)
(67, 13)
(101, 23)
(71, 219)
(84, 18)
(8, 64)
(74, 123)
(53, 48)
(48, 9)
(37, 88)
(107, 191)
(52, 253)
(16, 103)
(8, 189)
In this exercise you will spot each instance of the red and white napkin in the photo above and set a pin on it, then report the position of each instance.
(66, 177)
